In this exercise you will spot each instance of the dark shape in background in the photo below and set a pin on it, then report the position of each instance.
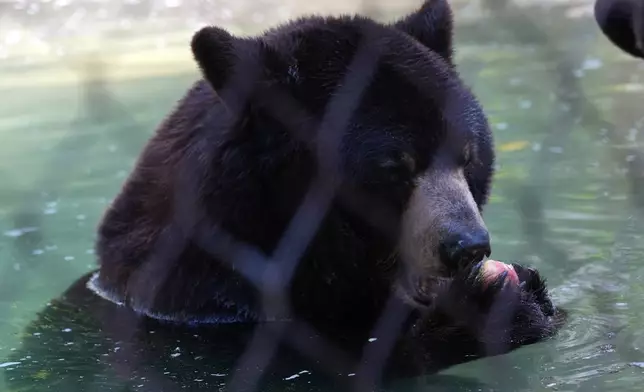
(622, 21)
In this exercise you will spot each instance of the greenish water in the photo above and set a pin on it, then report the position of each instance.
(566, 110)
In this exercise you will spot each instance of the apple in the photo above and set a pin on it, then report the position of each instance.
(493, 268)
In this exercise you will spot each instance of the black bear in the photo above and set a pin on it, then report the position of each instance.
(343, 158)
(622, 22)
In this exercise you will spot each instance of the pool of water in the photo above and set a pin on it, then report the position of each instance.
(568, 197)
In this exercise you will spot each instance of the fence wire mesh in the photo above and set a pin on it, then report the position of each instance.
(271, 274)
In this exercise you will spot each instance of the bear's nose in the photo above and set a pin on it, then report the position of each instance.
(462, 249)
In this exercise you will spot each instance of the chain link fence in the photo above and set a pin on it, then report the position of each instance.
(271, 274)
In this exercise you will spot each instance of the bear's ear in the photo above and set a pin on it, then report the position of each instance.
(216, 52)
(432, 26)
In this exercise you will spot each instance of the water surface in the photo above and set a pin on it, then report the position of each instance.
(565, 107)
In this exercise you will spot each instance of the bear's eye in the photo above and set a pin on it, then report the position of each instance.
(410, 162)
(396, 171)
(404, 163)
(464, 159)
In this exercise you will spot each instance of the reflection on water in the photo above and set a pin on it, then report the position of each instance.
(565, 106)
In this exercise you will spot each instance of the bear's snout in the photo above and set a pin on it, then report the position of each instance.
(464, 246)
(442, 228)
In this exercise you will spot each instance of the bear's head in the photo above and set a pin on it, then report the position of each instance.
(383, 108)
(412, 138)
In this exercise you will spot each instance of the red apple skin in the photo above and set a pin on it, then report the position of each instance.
(493, 268)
